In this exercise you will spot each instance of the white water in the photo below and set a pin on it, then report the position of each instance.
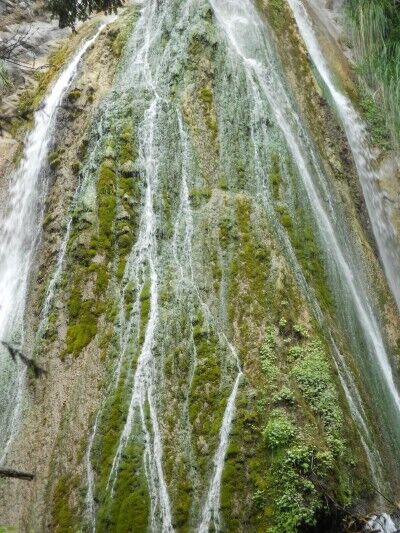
(381, 524)
(144, 386)
(184, 221)
(54, 281)
(144, 260)
(367, 167)
(20, 225)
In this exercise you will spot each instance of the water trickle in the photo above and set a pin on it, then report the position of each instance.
(21, 220)
(166, 264)
(211, 509)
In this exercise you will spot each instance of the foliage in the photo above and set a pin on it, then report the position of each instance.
(62, 513)
(279, 430)
(69, 11)
(376, 31)
(303, 431)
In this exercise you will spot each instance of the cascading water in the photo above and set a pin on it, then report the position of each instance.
(369, 175)
(240, 21)
(381, 524)
(145, 271)
(184, 146)
(367, 167)
(21, 221)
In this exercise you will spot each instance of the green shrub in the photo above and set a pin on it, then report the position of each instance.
(279, 430)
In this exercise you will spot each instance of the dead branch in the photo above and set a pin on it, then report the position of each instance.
(14, 353)
(12, 47)
(8, 472)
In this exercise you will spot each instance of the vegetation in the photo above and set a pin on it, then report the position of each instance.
(63, 515)
(376, 31)
(309, 454)
(290, 434)
(69, 11)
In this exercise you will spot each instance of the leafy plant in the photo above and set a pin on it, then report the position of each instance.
(279, 430)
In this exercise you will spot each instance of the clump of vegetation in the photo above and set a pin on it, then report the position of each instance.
(120, 36)
(55, 159)
(82, 327)
(375, 25)
(279, 430)
(74, 95)
(305, 433)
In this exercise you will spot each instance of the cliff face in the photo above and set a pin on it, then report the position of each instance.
(206, 294)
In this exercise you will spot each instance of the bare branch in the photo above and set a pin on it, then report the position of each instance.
(8, 472)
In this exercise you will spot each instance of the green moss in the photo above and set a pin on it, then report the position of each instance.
(206, 97)
(102, 279)
(74, 95)
(276, 11)
(64, 519)
(48, 220)
(275, 177)
(199, 197)
(128, 510)
(248, 268)
(119, 37)
(299, 372)
(206, 405)
(54, 159)
(83, 328)
(84, 314)
(75, 166)
(106, 201)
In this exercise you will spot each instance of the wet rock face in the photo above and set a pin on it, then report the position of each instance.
(35, 31)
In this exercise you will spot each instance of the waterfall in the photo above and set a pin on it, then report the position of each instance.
(21, 221)
(382, 524)
(252, 46)
(199, 92)
(369, 174)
